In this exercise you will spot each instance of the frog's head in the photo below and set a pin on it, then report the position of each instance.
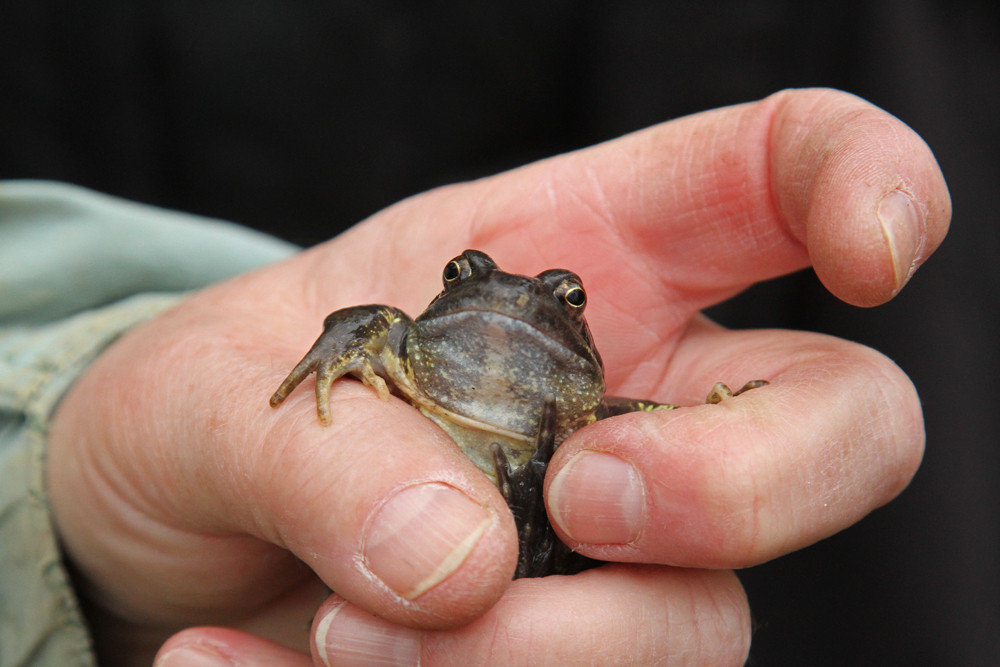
(552, 302)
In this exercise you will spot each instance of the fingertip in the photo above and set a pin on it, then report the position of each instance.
(597, 498)
(345, 634)
(672, 488)
(860, 188)
(225, 647)
(422, 535)
(904, 227)
(433, 554)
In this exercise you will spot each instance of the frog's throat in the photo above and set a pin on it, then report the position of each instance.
(402, 376)
(438, 414)
(462, 430)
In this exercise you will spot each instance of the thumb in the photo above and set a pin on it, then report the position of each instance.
(183, 498)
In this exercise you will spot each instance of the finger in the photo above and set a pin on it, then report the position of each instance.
(837, 433)
(222, 647)
(616, 615)
(707, 204)
(381, 505)
(854, 182)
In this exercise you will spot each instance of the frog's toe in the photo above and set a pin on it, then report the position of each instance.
(278, 397)
(324, 380)
(288, 385)
(719, 393)
(753, 384)
(721, 390)
(374, 381)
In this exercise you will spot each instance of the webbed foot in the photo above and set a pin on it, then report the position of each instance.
(351, 343)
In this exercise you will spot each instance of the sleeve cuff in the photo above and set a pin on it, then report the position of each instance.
(40, 618)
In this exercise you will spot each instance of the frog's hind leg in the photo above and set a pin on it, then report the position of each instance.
(540, 552)
(522, 489)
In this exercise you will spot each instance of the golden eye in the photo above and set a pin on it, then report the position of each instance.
(571, 293)
(457, 269)
(575, 297)
(452, 271)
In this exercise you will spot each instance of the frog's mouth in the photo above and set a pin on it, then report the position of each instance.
(553, 328)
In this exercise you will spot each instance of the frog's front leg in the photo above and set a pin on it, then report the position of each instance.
(616, 405)
(721, 391)
(352, 343)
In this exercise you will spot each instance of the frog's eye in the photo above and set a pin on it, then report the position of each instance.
(575, 297)
(571, 293)
(455, 270)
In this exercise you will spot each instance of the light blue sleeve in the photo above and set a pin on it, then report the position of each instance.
(77, 269)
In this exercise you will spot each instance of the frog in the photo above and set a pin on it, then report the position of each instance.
(505, 364)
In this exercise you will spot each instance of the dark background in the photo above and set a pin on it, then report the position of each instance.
(301, 118)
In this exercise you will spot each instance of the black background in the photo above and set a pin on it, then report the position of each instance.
(301, 118)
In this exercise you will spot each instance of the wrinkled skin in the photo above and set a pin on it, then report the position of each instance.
(504, 363)
(181, 502)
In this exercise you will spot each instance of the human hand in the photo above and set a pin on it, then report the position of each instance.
(183, 500)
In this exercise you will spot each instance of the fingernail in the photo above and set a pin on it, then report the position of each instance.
(598, 498)
(421, 535)
(904, 230)
(349, 636)
(194, 655)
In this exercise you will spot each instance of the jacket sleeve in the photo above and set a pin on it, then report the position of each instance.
(77, 270)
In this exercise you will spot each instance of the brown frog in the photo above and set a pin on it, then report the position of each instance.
(504, 363)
